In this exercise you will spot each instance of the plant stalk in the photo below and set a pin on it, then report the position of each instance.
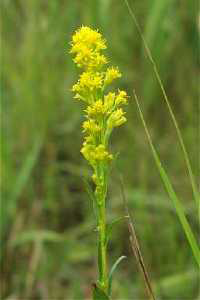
(102, 242)
(102, 249)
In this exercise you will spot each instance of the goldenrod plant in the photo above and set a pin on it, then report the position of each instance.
(103, 112)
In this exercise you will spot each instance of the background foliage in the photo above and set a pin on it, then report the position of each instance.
(48, 248)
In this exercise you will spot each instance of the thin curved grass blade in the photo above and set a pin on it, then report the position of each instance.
(169, 188)
(155, 69)
(112, 271)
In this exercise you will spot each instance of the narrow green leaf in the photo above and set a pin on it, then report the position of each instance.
(10, 206)
(27, 167)
(99, 294)
(169, 188)
(165, 97)
(112, 271)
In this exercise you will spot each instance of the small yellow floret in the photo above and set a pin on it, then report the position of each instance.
(88, 36)
(91, 80)
(100, 153)
(96, 109)
(90, 126)
(121, 98)
(109, 101)
(94, 154)
(87, 150)
(88, 82)
(87, 44)
(116, 118)
(111, 74)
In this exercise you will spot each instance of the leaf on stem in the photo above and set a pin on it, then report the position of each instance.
(111, 273)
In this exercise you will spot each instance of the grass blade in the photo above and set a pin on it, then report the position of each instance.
(135, 245)
(155, 69)
(9, 207)
(112, 271)
(178, 206)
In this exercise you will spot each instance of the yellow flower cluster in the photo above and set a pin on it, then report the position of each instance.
(111, 74)
(95, 154)
(103, 111)
(87, 44)
(91, 127)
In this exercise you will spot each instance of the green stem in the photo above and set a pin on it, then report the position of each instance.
(102, 242)
(102, 255)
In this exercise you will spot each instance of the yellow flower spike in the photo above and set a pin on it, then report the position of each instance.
(103, 113)
(111, 74)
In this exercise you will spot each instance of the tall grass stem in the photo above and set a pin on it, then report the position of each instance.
(186, 156)
(169, 188)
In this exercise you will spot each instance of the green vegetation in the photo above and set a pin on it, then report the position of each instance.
(48, 238)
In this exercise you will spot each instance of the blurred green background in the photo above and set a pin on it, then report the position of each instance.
(48, 248)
